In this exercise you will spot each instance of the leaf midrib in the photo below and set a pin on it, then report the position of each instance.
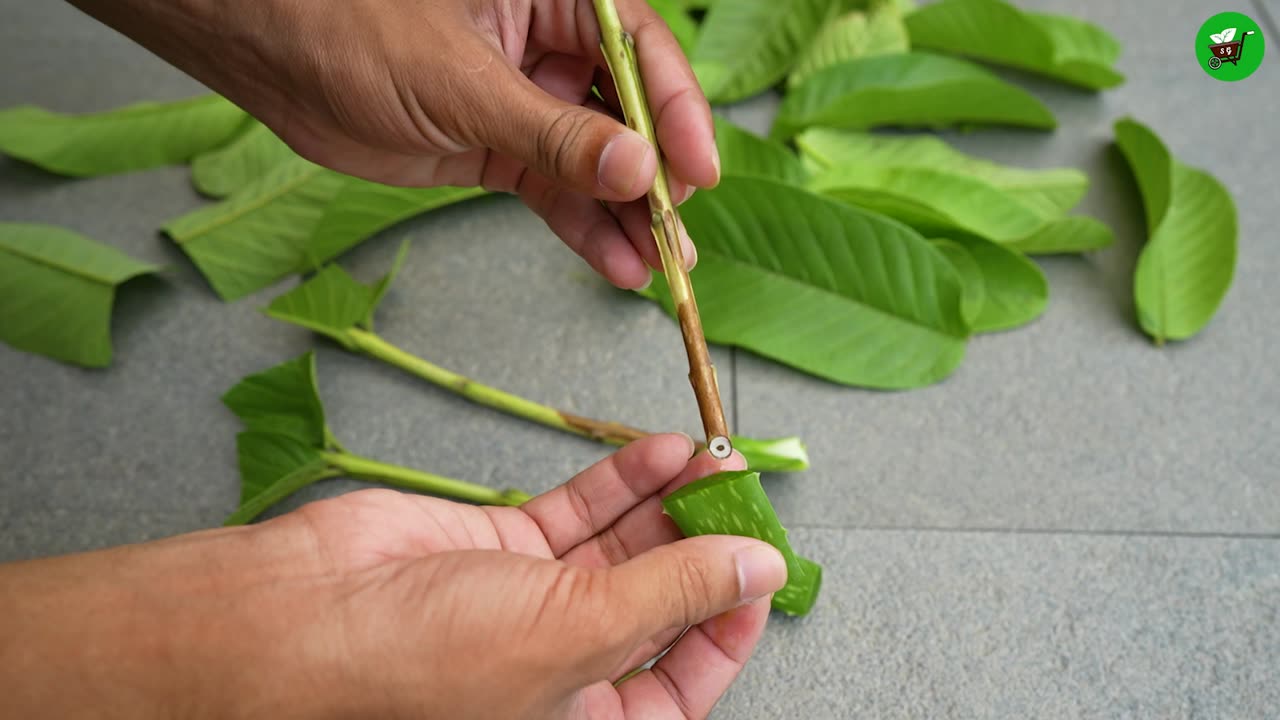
(77, 272)
(254, 206)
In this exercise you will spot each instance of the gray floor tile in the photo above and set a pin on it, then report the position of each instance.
(965, 625)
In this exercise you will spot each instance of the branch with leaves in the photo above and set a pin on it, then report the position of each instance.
(286, 445)
(335, 305)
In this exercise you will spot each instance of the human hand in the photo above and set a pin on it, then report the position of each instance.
(379, 604)
(456, 92)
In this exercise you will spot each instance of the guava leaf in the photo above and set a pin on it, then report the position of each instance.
(251, 155)
(913, 89)
(380, 288)
(282, 400)
(1075, 234)
(136, 137)
(821, 286)
(272, 467)
(995, 31)
(57, 288)
(975, 287)
(1015, 290)
(294, 219)
(878, 30)
(932, 201)
(744, 154)
(1049, 192)
(746, 46)
(1188, 263)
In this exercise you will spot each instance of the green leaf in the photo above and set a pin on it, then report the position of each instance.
(746, 46)
(1015, 291)
(832, 290)
(773, 455)
(1075, 234)
(282, 400)
(1188, 263)
(734, 503)
(878, 30)
(932, 201)
(678, 19)
(379, 289)
(329, 303)
(1048, 192)
(975, 288)
(925, 183)
(273, 467)
(744, 154)
(137, 137)
(1059, 47)
(294, 219)
(363, 208)
(251, 155)
(56, 292)
(910, 90)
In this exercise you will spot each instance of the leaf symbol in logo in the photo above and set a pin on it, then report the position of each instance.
(1223, 37)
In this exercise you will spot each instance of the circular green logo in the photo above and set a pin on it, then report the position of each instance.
(1229, 46)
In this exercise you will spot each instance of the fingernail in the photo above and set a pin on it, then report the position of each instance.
(715, 160)
(688, 248)
(621, 162)
(648, 281)
(692, 445)
(688, 193)
(761, 570)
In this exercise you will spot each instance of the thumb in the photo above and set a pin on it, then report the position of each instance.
(572, 145)
(687, 582)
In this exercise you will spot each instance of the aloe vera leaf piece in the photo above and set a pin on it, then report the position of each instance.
(734, 503)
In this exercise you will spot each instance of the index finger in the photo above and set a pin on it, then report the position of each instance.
(681, 113)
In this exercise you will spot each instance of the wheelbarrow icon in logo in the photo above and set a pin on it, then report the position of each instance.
(1224, 50)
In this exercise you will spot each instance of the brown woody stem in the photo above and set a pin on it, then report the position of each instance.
(620, 53)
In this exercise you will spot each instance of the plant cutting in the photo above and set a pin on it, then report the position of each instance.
(734, 503)
(333, 304)
(1063, 48)
(292, 220)
(136, 137)
(619, 51)
(827, 288)
(286, 445)
(1188, 263)
(915, 89)
(56, 292)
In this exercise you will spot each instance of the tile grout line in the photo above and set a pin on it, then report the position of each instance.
(1070, 532)
(1267, 20)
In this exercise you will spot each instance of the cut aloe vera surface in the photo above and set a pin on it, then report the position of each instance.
(734, 503)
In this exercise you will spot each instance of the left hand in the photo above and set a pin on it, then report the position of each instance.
(381, 604)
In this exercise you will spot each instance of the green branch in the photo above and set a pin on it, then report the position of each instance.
(419, 481)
